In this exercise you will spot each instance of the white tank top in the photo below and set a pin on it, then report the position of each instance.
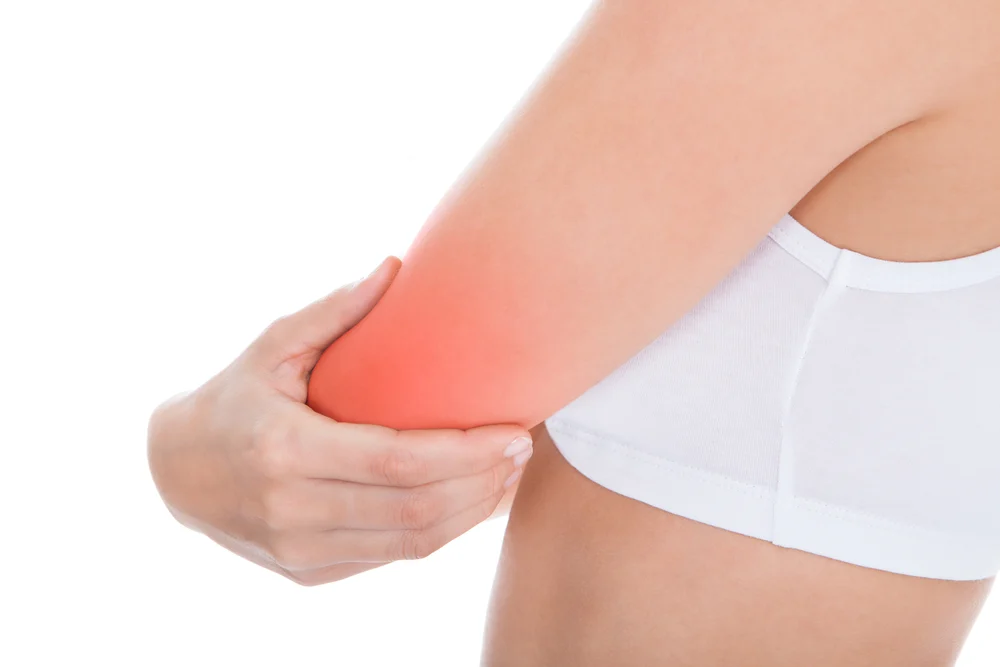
(822, 400)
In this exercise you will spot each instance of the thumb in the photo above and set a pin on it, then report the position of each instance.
(311, 330)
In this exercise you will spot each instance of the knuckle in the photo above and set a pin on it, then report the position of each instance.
(486, 508)
(494, 480)
(400, 467)
(277, 509)
(290, 554)
(275, 446)
(309, 583)
(275, 331)
(419, 509)
(415, 544)
(269, 343)
(302, 579)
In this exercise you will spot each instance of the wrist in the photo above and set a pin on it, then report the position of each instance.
(162, 434)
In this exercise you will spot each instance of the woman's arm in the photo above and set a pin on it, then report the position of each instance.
(657, 150)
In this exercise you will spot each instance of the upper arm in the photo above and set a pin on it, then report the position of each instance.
(656, 151)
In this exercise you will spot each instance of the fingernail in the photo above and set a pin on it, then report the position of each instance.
(519, 445)
(521, 458)
(513, 478)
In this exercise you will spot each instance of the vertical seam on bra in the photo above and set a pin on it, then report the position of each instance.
(785, 489)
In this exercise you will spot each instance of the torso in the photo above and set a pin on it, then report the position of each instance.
(590, 577)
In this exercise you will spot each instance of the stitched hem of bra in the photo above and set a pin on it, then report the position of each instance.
(883, 275)
(717, 479)
(801, 502)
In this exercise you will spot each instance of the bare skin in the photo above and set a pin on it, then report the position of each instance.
(244, 461)
(588, 576)
(591, 577)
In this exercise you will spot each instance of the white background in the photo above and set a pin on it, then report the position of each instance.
(173, 176)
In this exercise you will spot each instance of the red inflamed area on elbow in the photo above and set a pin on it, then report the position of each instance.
(458, 340)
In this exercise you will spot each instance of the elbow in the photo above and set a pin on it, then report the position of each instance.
(439, 350)
(418, 377)
(404, 380)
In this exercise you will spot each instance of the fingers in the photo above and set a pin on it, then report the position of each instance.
(312, 329)
(313, 551)
(321, 505)
(366, 454)
(326, 575)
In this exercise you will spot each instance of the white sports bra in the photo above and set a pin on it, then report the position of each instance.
(822, 400)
